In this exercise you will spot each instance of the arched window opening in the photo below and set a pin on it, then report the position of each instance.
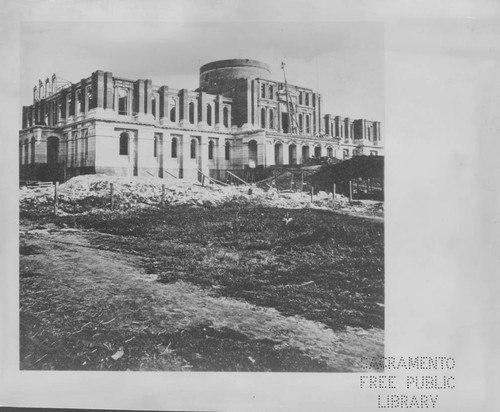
(305, 153)
(32, 149)
(271, 92)
(308, 124)
(292, 154)
(78, 101)
(122, 101)
(90, 98)
(123, 144)
(225, 115)
(252, 151)
(300, 98)
(155, 146)
(191, 113)
(59, 110)
(228, 151)
(75, 139)
(209, 114)
(173, 148)
(263, 90)
(271, 119)
(85, 142)
(263, 118)
(26, 150)
(301, 123)
(153, 107)
(52, 150)
(211, 149)
(193, 148)
(317, 152)
(307, 99)
(278, 153)
(172, 114)
(70, 106)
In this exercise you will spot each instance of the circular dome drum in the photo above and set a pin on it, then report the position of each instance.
(219, 77)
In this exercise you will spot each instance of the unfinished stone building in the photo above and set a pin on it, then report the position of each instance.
(237, 120)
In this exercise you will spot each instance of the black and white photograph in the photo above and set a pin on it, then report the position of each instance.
(205, 208)
(248, 206)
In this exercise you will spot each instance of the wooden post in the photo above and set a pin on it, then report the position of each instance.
(301, 179)
(312, 193)
(350, 190)
(56, 186)
(333, 193)
(112, 198)
(162, 195)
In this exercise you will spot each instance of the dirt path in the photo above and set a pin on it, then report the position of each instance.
(79, 290)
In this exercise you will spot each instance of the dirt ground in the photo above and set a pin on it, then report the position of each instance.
(212, 279)
(100, 303)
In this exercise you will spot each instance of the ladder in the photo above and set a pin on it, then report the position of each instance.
(292, 113)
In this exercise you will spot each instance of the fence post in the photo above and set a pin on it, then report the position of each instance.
(55, 198)
(301, 180)
(350, 190)
(312, 193)
(112, 198)
(333, 193)
(162, 195)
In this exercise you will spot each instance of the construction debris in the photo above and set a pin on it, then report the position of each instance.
(90, 193)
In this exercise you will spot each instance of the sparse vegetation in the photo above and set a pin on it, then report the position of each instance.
(323, 266)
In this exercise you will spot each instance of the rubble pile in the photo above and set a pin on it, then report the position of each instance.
(89, 193)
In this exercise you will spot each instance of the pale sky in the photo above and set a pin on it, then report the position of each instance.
(344, 61)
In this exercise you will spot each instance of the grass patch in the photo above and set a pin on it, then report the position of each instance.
(324, 266)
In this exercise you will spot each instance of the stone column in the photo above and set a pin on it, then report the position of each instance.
(183, 111)
(195, 113)
(286, 157)
(229, 121)
(25, 117)
(108, 92)
(83, 94)
(164, 109)
(268, 153)
(328, 125)
(203, 156)
(347, 128)
(98, 88)
(185, 155)
(148, 94)
(139, 90)
(202, 103)
(220, 117)
(73, 104)
(40, 89)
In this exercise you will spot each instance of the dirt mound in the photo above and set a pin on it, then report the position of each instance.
(87, 193)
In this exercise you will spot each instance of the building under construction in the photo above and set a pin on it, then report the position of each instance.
(236, 120)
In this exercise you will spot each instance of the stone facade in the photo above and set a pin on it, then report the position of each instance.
(236, 119)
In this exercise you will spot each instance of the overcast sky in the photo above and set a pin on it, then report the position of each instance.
(344, 61)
